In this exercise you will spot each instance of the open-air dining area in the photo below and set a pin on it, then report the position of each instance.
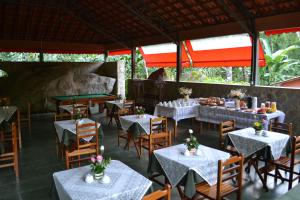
(149, 100)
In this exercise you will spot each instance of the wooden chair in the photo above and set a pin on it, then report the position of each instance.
(81, 109)
(10, 158)
(230, 175)
(83, 148)
(285, 128)
(60, 147)
(225, 127)
(287, 164)
(159, 136)
(116, 112)
(25, 118)
(166, 194)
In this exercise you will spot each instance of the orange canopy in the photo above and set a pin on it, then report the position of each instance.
(280, 31)
(224, 51)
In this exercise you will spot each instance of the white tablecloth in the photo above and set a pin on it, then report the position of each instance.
(125, 184)
(6, 113)
(247, 143)
(118, 103)
(176, 165)
(177, 113)
(216, 114)
(70, 126)
(128, 120)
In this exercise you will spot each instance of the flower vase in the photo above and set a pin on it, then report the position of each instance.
(98, 176)
(193, 151)
(258, 132)
(186, 97)
(237, 103)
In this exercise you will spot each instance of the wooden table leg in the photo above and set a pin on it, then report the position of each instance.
(175, 129)
(19, 128)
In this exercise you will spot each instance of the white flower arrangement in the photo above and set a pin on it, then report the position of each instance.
(237, 94)
(185, 91)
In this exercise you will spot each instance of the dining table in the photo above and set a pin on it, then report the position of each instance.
(187, 171)
(135, 126)
(266, 146)
(243, 117)
(66, 130)
(7, 115)
(125, 183)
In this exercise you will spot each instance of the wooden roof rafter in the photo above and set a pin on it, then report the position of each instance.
(148, 21)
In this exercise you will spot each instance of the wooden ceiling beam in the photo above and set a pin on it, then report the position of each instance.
(84, 16)
(145, 19)
(17, 45)
(78, 12)
(229, 11)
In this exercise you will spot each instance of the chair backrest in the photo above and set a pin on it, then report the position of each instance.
(166, 194)
(81, 110)
(230, 169)
(87, 136)
(225, 127)
(285, 128)
(62, 116)
(129, 105)
(295, 149)
(158, 125)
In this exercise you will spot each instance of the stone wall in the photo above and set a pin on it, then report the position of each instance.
(38, 82)
(288, 100)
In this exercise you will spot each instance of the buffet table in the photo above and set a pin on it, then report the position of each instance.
(243, 119)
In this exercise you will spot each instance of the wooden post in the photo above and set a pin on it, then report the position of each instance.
(105, 56)
(179, 61)
(133, 63)
(254, 59)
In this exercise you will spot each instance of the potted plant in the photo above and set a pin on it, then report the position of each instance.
(191, 142)
(258, 126)
(237, 95)
(140, 111)
(98, 166)
(186, 92)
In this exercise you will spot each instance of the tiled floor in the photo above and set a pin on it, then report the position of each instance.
(38, 162)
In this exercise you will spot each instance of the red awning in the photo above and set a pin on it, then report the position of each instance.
(163, 55)
(280, 31)
(119, 52)
(224, 51)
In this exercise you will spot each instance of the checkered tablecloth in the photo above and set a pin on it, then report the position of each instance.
(67, 129)
(125, 184)
(217, 114)
(177, 113)
(142, 122)
(176, 165)
(247, 142)
(6, 113)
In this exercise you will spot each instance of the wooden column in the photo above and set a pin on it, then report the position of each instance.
(254, 59)
(178, 61)
(133, 63)
(105, 56)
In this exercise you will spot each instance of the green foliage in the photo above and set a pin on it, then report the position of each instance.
(19, 57)
(3, 73)
(282, 58)
(73, 57)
